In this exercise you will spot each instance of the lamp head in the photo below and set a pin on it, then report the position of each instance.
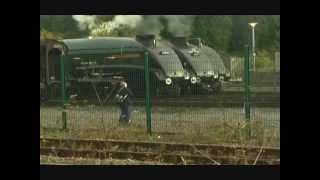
(253, 24)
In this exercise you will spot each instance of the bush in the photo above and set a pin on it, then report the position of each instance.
(112, 29)
(44, 34)
(264, 60)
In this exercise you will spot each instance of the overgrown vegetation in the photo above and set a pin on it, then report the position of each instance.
(89, 161)
(121, 31)
(264, 60)
(216, 133)
(44, 34)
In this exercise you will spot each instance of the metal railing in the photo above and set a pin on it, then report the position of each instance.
(182, 118)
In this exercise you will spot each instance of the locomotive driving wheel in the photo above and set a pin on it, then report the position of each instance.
(175, 91)
(158, 91)
(217, 86)
(196, 90)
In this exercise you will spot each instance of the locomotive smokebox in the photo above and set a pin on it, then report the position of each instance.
(180, 41)
(148, 40)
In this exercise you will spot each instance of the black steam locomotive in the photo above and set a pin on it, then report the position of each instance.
(92, 66)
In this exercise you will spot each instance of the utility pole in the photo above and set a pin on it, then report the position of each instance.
(147, 91)
(252, 25)
(63, 92)
(247, 88)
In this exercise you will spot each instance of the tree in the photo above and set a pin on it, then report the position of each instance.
(264, 60)
(227, 34)
(62, 24)
(104, 18)
(111, 29)
(44, 34)
(267, 32)
(240, 34)
(214, 30)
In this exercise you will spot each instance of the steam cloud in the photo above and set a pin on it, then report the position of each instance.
(130, 20)
(178, 25)
(150, 25)
(85, 21)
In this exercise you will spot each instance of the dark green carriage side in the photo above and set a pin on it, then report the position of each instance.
(102, 53)
(100, 59)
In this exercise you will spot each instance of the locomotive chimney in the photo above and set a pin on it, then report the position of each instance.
(179, 41)
(148, 40)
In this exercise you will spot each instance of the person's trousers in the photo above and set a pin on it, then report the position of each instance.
(125, 113)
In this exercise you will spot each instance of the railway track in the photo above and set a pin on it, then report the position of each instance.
(199, 103)
(159, 152)
(225, 99)
(239, 87)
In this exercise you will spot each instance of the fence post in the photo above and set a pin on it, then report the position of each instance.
(63, 93)
(247, 88)
(147, 92)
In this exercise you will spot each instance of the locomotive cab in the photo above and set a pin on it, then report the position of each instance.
(50, 59)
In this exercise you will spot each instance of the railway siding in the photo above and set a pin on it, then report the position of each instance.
(160, 152)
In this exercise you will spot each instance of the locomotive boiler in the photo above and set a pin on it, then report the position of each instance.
(204, 63)
(165, 58)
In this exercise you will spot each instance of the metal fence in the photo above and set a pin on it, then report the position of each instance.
(197, 118)
(277, 61)
(164, 119)
(263, 74)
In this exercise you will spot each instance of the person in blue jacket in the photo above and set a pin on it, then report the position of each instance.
(124, 98)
